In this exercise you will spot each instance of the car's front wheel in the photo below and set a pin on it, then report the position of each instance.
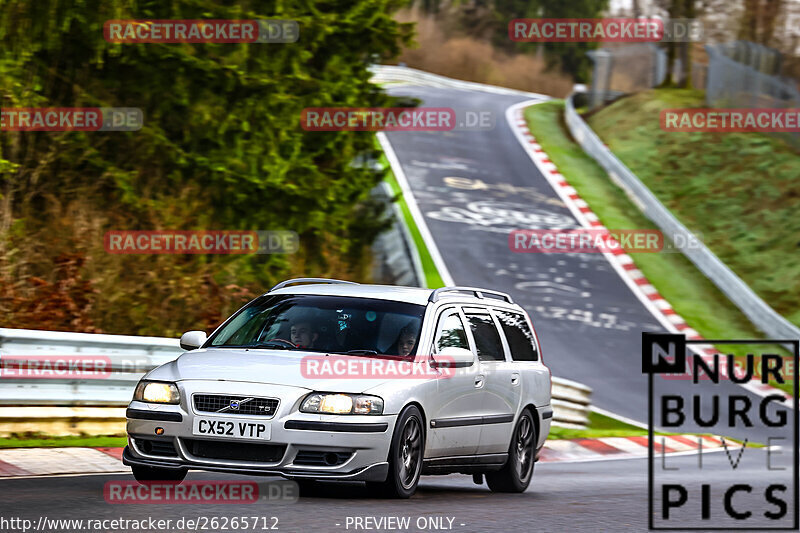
(149, 474)
(405, 456)
(516, 474)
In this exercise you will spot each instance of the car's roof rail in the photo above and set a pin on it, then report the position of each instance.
(478, 293)
(309, 281)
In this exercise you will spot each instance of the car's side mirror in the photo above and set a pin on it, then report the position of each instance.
(191, 340)
(451, 356)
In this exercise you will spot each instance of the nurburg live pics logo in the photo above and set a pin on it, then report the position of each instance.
(763, 493)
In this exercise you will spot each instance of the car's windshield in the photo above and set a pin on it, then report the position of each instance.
(330, 324)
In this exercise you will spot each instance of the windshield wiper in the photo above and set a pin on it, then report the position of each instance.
(272, 345)
(358, 352)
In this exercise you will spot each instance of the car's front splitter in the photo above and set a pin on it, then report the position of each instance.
(374, 472)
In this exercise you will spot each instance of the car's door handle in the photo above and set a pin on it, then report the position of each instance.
(478, 382)
(515, 379)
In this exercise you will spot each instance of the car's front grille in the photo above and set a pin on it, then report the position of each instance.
(321, 458)
(235, 405)
(161, 448)
(237, 451)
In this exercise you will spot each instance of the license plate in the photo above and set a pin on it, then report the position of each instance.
(232, 428)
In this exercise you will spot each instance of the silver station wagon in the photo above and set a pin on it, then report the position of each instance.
(323, 379)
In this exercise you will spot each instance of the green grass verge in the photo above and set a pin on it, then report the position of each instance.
(692, 295)
(44, 441)
(739, 191)
(599, 426)
(432, 278)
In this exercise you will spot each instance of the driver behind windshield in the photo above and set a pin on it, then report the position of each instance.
(302, 334)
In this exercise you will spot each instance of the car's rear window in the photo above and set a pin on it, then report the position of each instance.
(519, 336)
(330, 324)
(487, 339)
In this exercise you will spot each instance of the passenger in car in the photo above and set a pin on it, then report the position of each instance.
(303, 335)
(406, 340)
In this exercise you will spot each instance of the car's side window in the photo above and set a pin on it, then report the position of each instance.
(487, 339)
(450, 332)
(519, 336)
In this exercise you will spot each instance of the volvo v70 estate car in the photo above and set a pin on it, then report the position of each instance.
(330, 380)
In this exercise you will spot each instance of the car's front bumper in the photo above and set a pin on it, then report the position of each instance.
(360, 441)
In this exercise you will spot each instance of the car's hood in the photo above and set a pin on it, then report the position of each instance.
(280, 367)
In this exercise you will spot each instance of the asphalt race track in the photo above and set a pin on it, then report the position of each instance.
(473, 188)
(589, 496)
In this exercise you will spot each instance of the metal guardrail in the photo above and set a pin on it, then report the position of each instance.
(130, 358)
(762, 315)
(397, 259)
(571, 403)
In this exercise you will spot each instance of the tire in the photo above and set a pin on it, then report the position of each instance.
(149, 474)
(516, 474)
(405, 456)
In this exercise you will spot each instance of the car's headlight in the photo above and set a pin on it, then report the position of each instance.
(157, 392)
(342, 404)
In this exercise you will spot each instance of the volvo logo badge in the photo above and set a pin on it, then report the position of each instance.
(234, 404)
